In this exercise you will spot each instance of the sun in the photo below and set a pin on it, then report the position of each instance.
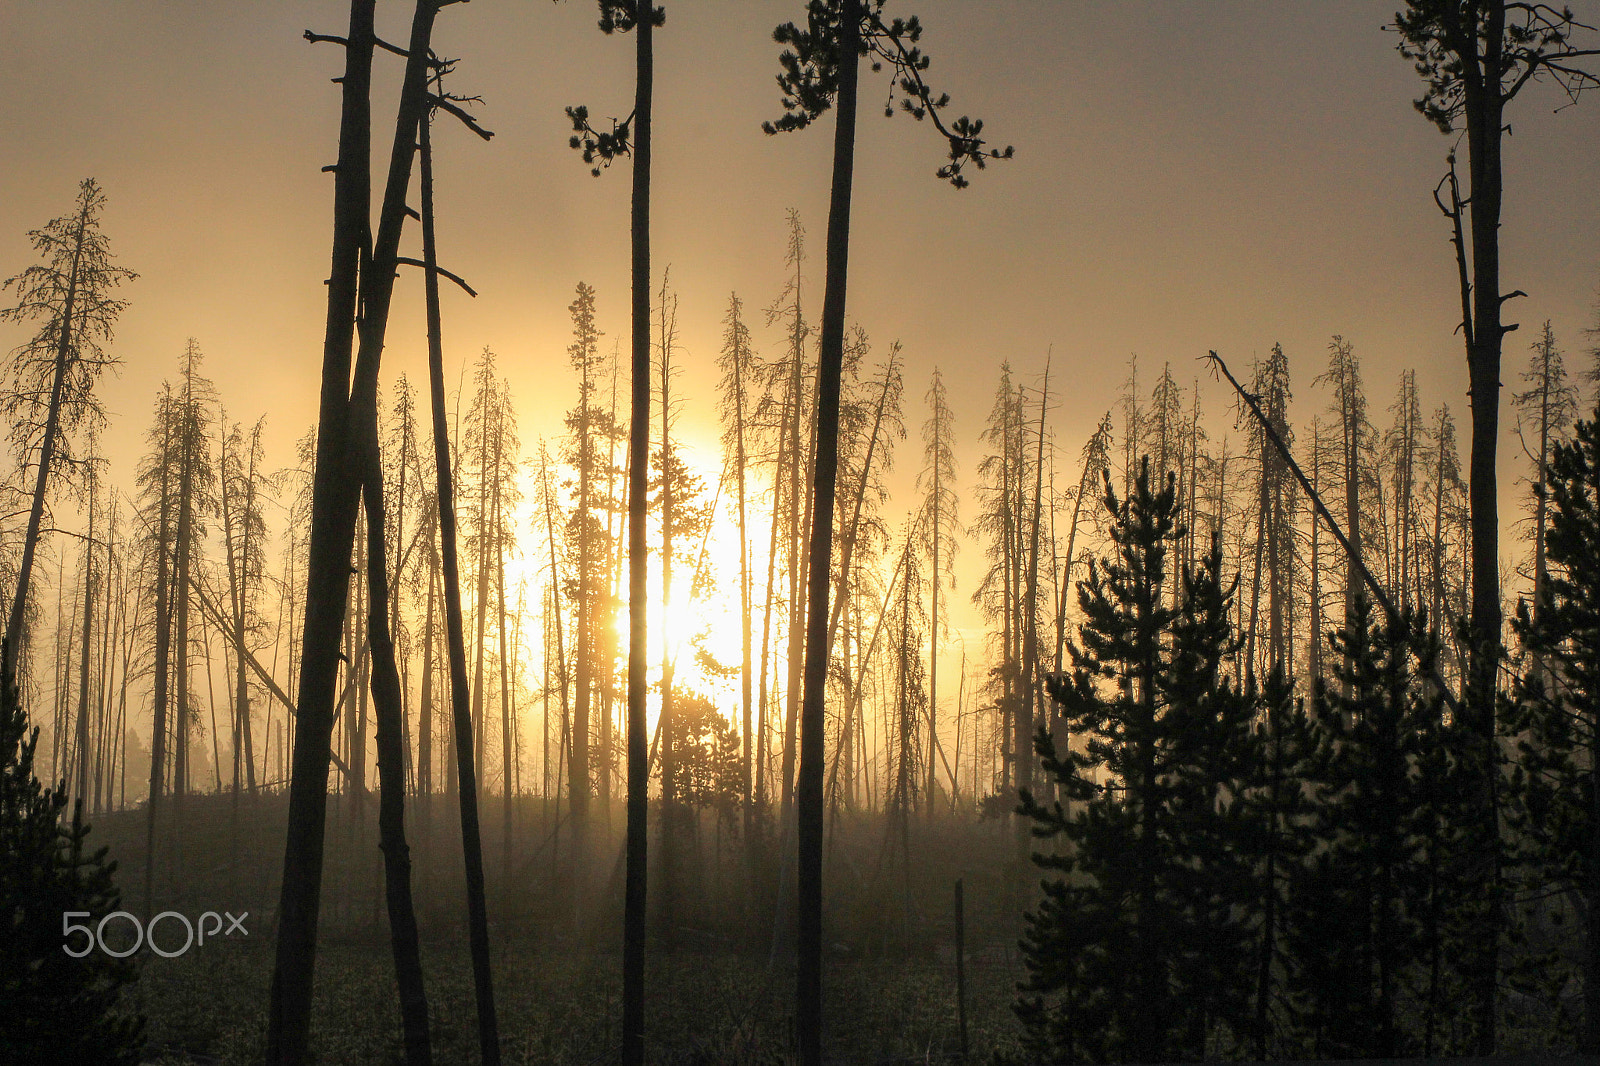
(697, 628)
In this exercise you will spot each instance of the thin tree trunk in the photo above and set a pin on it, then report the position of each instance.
(460, 699)
(555, 599)
(87, 653)
(666, 891)
(746, 695)
(506, 740)
(1030, 643)
(1315, 656)
(480, 603)
(808, 1005)
(633, 927)
(11, 650)
(425, 712)
(391, 768)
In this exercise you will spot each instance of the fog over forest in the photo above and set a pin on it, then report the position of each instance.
(1088, 554)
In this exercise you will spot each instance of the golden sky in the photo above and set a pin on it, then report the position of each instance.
(1189, 175)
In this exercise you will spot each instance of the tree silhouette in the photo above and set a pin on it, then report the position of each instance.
(1002, 494)
(59, 1005)
(51, 376)
(465, 774)
(1139, 944)
(940, 519)
(1476, 57)
(1379, 796)
(1557, 717)
(634, 138)
(588, 424)
(362, 275)
(820, 71)
(1355, 446)
(1549, 403)
(739, 365)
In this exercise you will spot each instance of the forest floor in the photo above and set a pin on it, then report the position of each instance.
(557, 1009)
(890, 976)
(889, 986)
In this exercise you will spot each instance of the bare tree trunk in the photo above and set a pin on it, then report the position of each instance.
(391, 768)
(1315, 656)
(666, 892)
(762, 754)
(480, 603)
(425, 712)
(746, 696)
(243, 697)
(466, 775)
(561, 651)
(86, 655)
(1030, 644)
(633, 929)
(830, 368)
(507, 741)
(106, 747)
(182, 549)
(11, 649)
(333, 526)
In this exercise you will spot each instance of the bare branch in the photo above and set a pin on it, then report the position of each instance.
(445, 103)
(319, 38)
(470, 291)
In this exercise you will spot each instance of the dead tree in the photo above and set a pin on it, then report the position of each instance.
(362, 275)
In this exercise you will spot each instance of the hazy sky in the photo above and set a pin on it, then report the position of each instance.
(1188, 176)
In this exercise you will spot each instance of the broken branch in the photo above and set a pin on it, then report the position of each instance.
(441, 271)
(1217, 365)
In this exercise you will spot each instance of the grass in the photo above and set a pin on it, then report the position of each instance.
(558, 989)
(889, 978)
(558, 1010)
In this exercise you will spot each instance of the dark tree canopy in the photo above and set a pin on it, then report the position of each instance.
(810, 79)
(59, 1000)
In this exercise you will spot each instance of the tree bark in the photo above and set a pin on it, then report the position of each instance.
(332, 527)
(830, 368)
(460, 699)
(335, 495)
(633, 929)
(391, 767)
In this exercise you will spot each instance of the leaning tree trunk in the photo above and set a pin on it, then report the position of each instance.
(332, 529)
(830, 370)
(12, 645)
(335, 492)
(460, 699)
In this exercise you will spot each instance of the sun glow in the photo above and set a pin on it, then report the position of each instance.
(697, 630)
